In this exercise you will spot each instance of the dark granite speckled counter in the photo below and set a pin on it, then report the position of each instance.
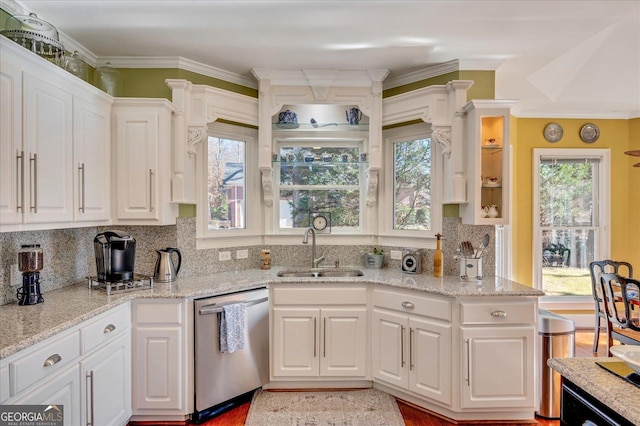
(613, 391)
(23, 326)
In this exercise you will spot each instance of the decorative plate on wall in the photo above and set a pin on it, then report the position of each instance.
(589, 133)
(553, 132)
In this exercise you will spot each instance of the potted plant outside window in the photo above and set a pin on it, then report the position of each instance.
(374, 259)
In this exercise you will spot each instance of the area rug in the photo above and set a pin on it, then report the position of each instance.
(368, 407)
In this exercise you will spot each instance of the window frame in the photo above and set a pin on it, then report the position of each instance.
(413, 238)
(603, 213)
(252, 233)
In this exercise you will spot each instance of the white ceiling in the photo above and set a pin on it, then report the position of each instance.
(557, 58)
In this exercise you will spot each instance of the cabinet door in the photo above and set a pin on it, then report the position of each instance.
(11, 152)
(107, 376)
(158, 382)
(430, 359)
(136, 164)
(498, 364)
(93, 161)
(49, 151)
(344, 342)
(63, 391)
(390, 348)
(295, 342)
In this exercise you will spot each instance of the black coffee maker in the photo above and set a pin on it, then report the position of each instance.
(115, 253)
(30, 263)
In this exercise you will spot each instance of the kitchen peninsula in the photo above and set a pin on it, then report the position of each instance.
(477, 322)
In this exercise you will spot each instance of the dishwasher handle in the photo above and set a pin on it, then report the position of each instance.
(216, 308)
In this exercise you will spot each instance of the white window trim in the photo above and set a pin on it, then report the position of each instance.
(603, 245)
(388, 235)
(253, 233)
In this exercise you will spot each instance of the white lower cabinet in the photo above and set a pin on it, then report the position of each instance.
(62, 390)
(162, 367)
(410, 350)
(319, 332)
(107, 375)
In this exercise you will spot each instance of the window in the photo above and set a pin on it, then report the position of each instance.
(410, 203)
(314, 176)
(229, 171)
(571, 217)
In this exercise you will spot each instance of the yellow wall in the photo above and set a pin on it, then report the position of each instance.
(615, 135)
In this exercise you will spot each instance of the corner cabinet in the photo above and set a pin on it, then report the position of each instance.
(488, 162)
(142, 131)
(318, 332)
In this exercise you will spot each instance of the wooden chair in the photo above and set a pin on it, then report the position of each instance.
(602, 323)
(624, 327)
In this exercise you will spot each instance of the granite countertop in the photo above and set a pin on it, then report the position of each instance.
(606, 387)
(23, 326)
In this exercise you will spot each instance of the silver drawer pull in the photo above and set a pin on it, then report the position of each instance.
(52, 360)
(499, 314)
(109, 329)
(408, 305)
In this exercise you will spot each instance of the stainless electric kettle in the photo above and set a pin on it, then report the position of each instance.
(166, 271)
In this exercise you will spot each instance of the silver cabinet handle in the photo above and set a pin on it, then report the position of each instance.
(315, 336)
(411, 349)
(52, 360)
(82, 192)
(499, 314)
(324, 337)
(108, 329)
(151, 189)
(468, 379)
(20, 185)
(89, 403)
(408, 305)
(402, 346)
(34, 184)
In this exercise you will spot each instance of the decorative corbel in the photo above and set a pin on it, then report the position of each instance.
(194, 137)
(442, 135)
(267, 187)
(372, 187)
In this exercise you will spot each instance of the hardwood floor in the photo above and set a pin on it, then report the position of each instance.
(414, 416)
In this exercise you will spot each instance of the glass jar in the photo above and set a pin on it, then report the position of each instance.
(107, 79)
(30, 258)
(76, 66)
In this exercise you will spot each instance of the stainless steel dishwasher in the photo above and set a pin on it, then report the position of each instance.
(224, 380)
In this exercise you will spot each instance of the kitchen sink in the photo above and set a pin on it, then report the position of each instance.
(314, 273)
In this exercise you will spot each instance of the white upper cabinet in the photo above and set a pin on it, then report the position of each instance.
(488, 163)
(52, 124)
(142, 131)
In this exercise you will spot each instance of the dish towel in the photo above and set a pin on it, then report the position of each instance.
(232, 328)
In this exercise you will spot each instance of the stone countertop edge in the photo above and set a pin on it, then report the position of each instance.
(23, 326)
(606, 387)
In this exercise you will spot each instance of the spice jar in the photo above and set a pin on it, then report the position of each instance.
(30, 258)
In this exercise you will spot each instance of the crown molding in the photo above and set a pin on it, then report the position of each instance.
(320, 77)
(441, 69)
(177, 62)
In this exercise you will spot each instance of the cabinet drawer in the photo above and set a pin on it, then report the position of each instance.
(151, 312)
(498, 313)
(107, 327)
(319, 296)
(403, 301)
(35, 366)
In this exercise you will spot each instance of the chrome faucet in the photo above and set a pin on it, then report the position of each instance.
(315, 261)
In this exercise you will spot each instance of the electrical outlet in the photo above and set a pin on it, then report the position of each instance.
(396, 254)
(242, 254)
(16, 276)
(224, 255)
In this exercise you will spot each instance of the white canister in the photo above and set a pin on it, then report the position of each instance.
(471, 269)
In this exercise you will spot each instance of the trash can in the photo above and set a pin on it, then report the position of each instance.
(556, 339)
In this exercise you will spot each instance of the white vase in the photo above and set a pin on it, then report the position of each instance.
(493, 211)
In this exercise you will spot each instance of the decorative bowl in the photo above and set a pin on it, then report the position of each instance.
(630, 354)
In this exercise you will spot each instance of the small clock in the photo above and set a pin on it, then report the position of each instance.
(320, 221)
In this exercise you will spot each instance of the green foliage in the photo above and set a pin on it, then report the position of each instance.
(376, 250)
(566, 194)
(412, 175)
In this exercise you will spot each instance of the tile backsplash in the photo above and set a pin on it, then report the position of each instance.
(69, 254)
